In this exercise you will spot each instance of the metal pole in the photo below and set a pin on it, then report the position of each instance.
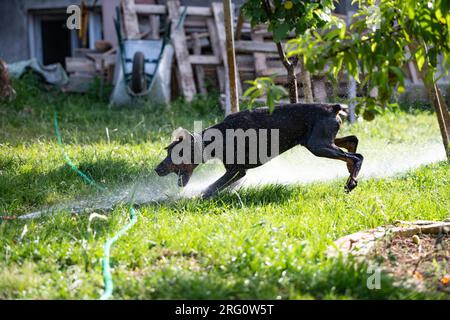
(231, 58)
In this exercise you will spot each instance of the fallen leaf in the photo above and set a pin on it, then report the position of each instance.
(418, 276)
(416, 239)
(445, 279)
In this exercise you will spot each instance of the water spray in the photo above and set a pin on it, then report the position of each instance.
(106, 267)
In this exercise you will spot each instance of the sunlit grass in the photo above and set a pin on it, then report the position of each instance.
(265, 242)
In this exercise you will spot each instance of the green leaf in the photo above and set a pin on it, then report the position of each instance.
(338, 65)
(280, 31)
(420, 57)
(398, 72)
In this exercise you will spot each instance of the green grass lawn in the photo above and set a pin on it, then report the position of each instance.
(265, 242)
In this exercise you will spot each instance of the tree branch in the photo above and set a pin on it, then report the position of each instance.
(287, 64)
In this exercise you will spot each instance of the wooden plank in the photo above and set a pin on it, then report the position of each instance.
(203, 59)
(320, 90)
(155, 25)
(82, 52)
(181, 52)
(221, 36)
(215, 47)
(162, 10)
(199, 71)
(255, 46)
(83, 65)
(130, 20)
(146, 9)
(260, 58)
(239, 24)
(214, 38)
(195, 21)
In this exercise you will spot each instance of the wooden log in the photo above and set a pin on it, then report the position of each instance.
(130, 20)
(181, 52)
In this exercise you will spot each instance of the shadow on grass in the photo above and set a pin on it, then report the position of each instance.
(255, 196)
(321, 280)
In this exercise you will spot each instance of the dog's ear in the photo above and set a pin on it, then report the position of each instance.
(341, 109)
(171, 145)
(180, 134)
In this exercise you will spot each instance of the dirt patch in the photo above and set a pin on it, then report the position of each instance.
(421, 261)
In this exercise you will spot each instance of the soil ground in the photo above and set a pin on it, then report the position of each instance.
(422, 261)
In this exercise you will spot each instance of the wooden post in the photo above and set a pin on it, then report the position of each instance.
(231, 58)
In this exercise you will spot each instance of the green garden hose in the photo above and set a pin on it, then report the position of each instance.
(72, 166)
(107, 277)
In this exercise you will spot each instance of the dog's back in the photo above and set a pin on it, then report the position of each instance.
(294, 123)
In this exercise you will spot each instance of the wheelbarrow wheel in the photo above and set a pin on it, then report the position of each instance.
(138, 81)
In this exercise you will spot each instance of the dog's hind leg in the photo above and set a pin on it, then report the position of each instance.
(349, 142)
(321, 144)
(224, 181)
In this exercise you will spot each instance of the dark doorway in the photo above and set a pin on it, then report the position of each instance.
(55, 41)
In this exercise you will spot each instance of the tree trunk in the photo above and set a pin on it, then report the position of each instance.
(292, 85)
(440, 107)
(438, 102)
(290, 65)
(306, 83)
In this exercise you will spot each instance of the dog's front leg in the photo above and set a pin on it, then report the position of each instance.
(224, 181)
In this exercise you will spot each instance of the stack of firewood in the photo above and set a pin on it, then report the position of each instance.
(89, 64)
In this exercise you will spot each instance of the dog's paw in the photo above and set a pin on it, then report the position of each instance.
(206, 196)
(351, 184)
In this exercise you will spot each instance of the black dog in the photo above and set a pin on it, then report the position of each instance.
(313, 126)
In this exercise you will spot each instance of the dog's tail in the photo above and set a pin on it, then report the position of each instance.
(341, 109)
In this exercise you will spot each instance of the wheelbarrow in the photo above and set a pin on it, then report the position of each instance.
(139, 59)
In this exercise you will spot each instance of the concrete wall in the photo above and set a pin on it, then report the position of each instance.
(14, 39)
(13, 31)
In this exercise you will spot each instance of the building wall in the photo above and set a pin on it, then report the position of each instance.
(13, 31)
(14, 38)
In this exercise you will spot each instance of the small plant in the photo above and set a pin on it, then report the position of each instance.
(265, 86)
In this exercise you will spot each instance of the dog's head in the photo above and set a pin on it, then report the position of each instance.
(176, 160)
